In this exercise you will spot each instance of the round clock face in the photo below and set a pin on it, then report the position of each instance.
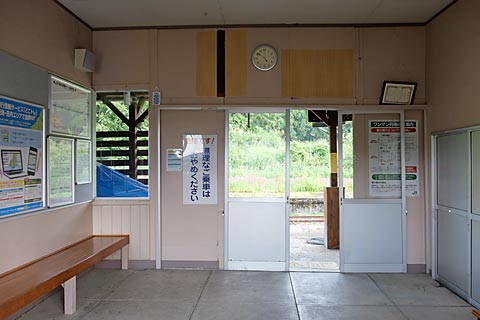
(264, 57)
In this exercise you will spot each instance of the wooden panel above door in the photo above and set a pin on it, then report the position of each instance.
(236, 63)
(206, 70)
(318, 73)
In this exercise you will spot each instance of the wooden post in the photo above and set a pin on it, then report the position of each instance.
(333, 155)
(332, 221)
(132, 141)
(331, 199)
(330, 118)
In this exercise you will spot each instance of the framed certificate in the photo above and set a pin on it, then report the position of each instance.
(398, 92)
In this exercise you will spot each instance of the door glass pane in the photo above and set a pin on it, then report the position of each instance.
(256, 155)
(310, 173)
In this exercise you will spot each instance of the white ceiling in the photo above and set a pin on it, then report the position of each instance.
(145, 13)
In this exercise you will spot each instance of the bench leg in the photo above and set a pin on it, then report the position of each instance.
(125, 258)
(70, 295)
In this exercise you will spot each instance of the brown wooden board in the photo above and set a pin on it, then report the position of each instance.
(476, 313)
(318, 73)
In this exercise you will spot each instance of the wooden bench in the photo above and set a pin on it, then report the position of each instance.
(476, 313)
(25, 284)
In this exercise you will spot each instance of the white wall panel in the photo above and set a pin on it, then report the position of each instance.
(256, 231)
(372, 234)
(114, 216)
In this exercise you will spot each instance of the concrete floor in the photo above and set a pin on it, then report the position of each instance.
(216, 295)
(304, 256)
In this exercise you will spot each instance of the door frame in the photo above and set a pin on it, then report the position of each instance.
(229, 111)
(401, 113)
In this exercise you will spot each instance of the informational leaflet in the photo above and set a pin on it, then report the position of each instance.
(174, 159)
(385, 158)
(60, 171)
(21, 148)
(199, 169)
(83, 161)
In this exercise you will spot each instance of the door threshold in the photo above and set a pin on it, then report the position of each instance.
(314, 270)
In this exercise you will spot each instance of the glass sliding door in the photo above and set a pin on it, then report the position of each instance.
(257, 199)
(373, 216)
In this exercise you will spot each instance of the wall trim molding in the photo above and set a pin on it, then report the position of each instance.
(186, 264)
(132, 264)
(416, 268)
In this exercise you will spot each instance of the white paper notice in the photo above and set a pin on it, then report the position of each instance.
(174, 159)
(385, 158)
(199, 169)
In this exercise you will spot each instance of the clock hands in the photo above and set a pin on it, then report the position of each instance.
(261, 55)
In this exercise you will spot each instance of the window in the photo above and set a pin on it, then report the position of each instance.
(122, 144)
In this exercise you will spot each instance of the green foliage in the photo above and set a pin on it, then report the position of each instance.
(109, 121)
(257, 154)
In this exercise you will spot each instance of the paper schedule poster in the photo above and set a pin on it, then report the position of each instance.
(385, 158)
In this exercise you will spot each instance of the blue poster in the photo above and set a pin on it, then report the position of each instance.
(21, 151)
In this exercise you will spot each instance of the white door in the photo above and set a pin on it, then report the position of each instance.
(257, 192)
(372, 173)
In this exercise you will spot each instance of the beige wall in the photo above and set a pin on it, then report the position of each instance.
(396, 54)
(42, 32)
(166, 59)
(453, 51)
(124, 59)
(26, 238)
(190, 232)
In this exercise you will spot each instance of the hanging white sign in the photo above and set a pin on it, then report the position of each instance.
(199, 169)
(385, 158)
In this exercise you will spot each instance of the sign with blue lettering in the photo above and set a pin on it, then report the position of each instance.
(21, 149)
(199, 169)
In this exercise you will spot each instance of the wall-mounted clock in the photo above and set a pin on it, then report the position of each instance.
(264, 57)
